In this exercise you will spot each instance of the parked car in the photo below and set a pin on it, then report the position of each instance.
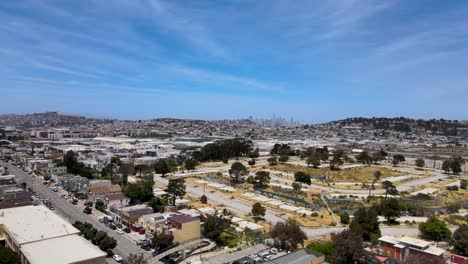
(146, 247)
(87, 210)
(141, 241)
(117, 258)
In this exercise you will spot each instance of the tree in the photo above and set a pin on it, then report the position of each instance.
(390, 209)
(446, 166)
(326, 248)
(8, 256)
(190, 164)
(103, 241)
(175, 189)
(158, 204)
(303, 177)
(314, 160)
(272, 161)
(254, 154)
(344, 218)
(136, 259)
(99, 205)
(251, 162)
(161, 167)
(419, 163)
(399, 157)
(162, 241)
(282, 149)
(73, 166)
(287, 235)
(215, 225)
(142, 168)
(364, 158)
(147, 184)
(262, 179)
(337, 160)
(348, 247)
(237, 170)
(108, 170)
(297, 186)
(456, 164)
(134, 192)
(390, 189)
(258, 211)
(365, 223)
(377, 175)
(224, 149)
(460, 240)
(463, 184)
(126, 169)
(204, 199)
(434, 229)
(283, 158)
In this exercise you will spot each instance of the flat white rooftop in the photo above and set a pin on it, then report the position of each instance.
(33, 223)
(60, 250)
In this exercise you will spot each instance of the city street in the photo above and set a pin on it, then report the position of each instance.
(73, 213)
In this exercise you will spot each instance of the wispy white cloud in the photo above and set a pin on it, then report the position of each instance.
(220, 79)
(178, 20)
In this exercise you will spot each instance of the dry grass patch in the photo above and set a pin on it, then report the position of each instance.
(323, 218)
(361, 174)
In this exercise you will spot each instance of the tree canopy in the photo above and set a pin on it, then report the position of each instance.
(348, 247)
(175, 189)
(162, 241)
(303, 177)
(460, 240)
(258, 211)
(365, 223)
(390, 209)
(435, 229)
(215, 225)
(287, 235)
(237, 170)
(224, 149)
(75, 167)
(261, 179)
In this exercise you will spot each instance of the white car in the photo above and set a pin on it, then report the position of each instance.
(117, 258)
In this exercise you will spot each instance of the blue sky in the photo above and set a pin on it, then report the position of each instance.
(311, 60)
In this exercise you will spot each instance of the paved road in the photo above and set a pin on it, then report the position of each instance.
(73, 213)
(236, 205)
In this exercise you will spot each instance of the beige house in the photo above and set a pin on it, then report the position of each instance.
(151, 222)
(184, 228)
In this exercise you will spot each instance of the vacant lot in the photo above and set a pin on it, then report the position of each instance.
(361, 174)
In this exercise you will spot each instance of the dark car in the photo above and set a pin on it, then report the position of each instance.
(87, 210)
(155, 253)
(146, 247)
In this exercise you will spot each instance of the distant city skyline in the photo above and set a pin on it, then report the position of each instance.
(313, 61)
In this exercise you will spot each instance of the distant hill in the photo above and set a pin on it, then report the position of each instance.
(402, 124)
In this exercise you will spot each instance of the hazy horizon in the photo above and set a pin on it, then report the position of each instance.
(314, 61)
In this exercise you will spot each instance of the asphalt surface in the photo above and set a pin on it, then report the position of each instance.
(73, 213)
(236, 205)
